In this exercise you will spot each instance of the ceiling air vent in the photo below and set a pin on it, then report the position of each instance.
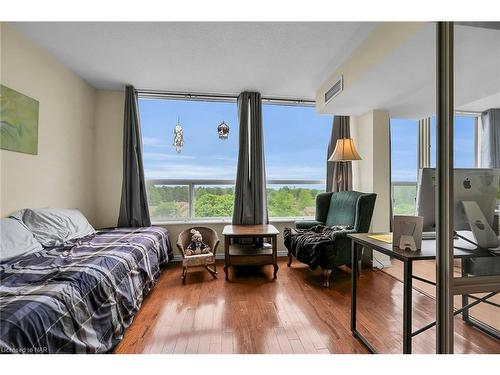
(334, 90)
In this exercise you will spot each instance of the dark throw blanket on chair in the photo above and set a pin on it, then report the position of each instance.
(307, 245)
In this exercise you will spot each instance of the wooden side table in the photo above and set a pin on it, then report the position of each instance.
(237, 255)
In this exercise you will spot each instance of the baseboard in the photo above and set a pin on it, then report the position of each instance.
(178, 257)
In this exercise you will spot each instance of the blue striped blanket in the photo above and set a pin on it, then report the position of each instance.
(80, 297)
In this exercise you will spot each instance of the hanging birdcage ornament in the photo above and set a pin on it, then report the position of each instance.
(178, 137)
(223, 130)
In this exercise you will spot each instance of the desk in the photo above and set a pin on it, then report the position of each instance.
(236, 254)
(463, 250)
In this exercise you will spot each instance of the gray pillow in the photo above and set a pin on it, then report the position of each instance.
(16, 239)
(55, 226)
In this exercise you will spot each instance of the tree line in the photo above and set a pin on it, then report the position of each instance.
(215, 201)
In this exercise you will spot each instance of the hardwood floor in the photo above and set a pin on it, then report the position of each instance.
(251, 313)
(427, 270)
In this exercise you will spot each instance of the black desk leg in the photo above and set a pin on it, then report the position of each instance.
(407, 307)
(465, 297)
(354, 282)
(354, 287)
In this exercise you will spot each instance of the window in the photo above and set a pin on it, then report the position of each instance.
(464, 152)
(404, 159)
(198, 182)
(404, 156)
(295, 143)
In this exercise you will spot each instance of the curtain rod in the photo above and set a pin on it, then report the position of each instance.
(177, 95)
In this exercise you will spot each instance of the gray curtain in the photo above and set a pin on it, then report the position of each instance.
(134, 210)
(490, 138)
(338, 174)
(250, 206)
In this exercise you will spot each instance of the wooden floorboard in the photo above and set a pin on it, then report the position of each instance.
(427, 269)
(251, 313)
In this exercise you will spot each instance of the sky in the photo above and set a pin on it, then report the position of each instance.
(295, 140)
(404, 146)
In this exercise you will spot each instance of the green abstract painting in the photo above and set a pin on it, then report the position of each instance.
(18, 121)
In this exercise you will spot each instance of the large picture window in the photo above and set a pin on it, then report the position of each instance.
(296, 142)
(198, 182)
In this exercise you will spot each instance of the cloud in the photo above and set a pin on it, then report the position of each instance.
(164, 166)
(189, 171)
(284, 171)
(159, 156)
(153, 141)
(224, 158)
(404, 175)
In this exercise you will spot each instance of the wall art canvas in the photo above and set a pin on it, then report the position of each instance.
(18, 121)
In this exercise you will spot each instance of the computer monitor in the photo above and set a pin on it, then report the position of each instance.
(476, 184)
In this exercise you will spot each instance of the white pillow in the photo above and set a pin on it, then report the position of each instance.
(55, 226)
(16, 239)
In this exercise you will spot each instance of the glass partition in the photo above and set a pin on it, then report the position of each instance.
(476, 191)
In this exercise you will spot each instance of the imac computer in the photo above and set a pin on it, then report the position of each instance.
(476, 185)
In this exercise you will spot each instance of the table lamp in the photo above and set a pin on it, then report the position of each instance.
(345, 151)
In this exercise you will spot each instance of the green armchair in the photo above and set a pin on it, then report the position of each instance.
(342, 208)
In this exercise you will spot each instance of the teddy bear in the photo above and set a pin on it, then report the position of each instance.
(197, 246)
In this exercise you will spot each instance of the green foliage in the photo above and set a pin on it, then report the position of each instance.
(212, 205)
(158, 194)
(170, 202)
(404, 209)
(166, 210)
(305, 199)
(216, 190)
(281, 203)
(404, 200)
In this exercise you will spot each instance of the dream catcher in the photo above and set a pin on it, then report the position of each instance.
(178, 137)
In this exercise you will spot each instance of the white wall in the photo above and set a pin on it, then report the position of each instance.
(372, 174)
(61, 175)
(109, 156)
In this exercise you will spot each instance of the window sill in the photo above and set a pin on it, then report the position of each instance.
(227, 221)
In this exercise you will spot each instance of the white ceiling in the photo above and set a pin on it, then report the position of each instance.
(281, 59)
(404, 82)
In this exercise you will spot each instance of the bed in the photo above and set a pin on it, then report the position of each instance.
(79, 297)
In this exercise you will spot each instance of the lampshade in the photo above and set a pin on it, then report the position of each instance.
(345, 151)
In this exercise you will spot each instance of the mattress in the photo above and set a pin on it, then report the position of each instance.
(79, 297)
